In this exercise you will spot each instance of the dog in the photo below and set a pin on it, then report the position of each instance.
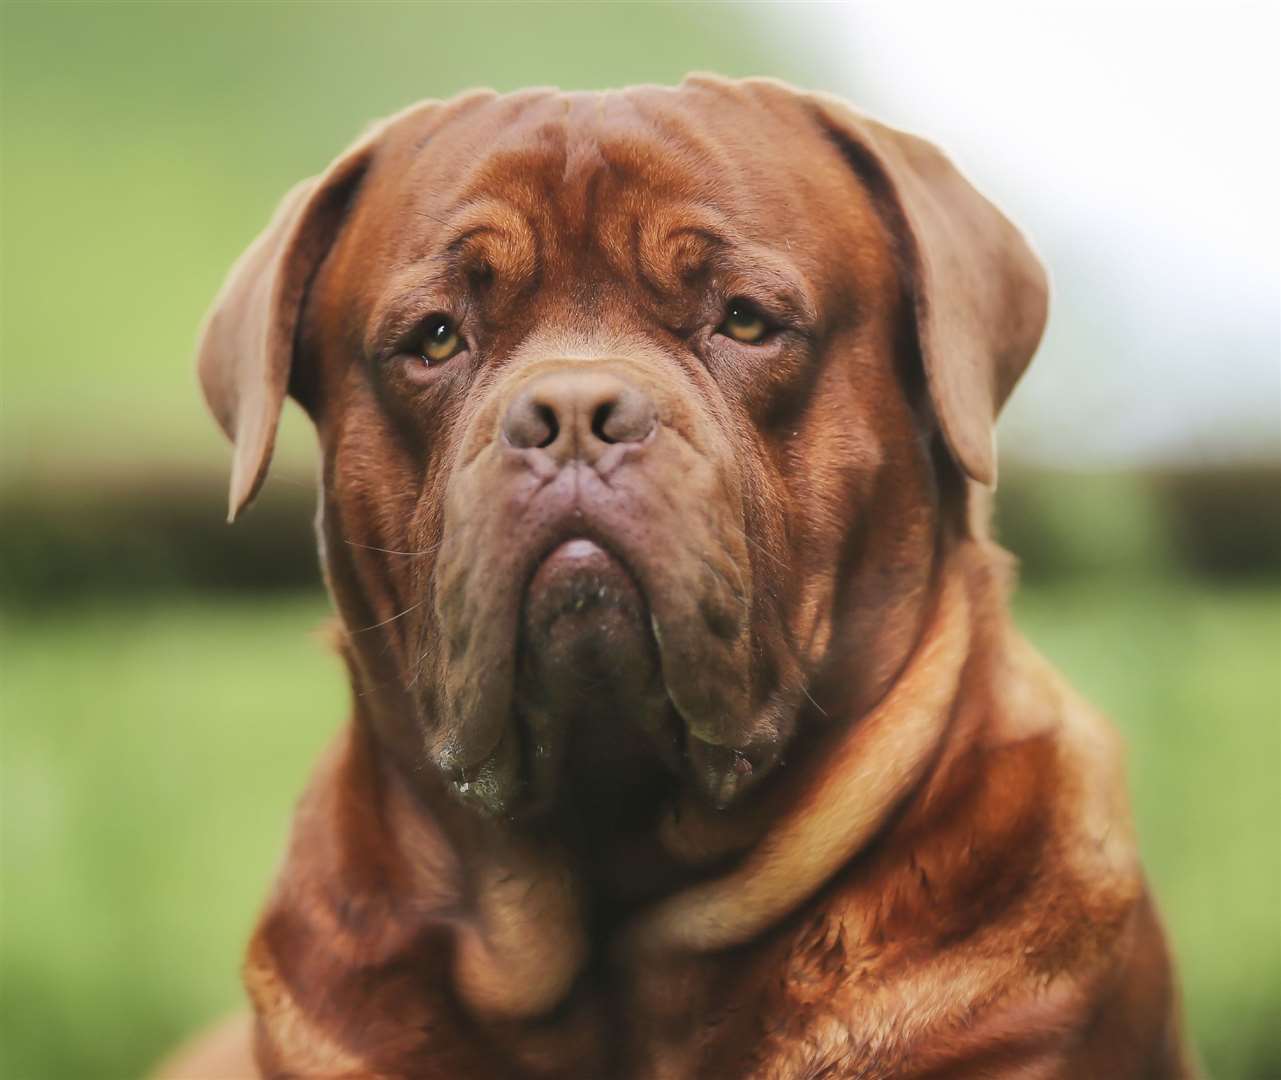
(691, 736)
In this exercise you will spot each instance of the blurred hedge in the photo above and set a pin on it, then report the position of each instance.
(160, 533)
(65, 544)
(1221, 522)
(1225, 522)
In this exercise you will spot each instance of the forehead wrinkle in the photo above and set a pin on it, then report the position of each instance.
(665, 254)
(583, 158)
(497, 228)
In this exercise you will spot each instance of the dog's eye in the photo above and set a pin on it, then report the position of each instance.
(441, 340)
(743, 322)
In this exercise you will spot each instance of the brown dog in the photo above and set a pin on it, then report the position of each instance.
(691, 737)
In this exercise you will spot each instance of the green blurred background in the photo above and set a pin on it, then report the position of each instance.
(162, 689)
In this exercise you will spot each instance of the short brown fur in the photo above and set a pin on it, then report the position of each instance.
(832, 817)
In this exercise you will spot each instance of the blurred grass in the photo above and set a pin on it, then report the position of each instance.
(148, 791)
(151, 757)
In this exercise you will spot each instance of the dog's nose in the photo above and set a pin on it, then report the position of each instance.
(578, 415)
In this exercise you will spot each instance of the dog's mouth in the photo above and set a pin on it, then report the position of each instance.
(589, 686)
(595, 630)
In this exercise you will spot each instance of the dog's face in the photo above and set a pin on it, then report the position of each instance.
(628, 443)
(631, 419)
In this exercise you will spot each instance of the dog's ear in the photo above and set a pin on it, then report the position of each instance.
(247, 343)
(979, 292)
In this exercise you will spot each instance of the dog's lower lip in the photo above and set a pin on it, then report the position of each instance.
(578, 575)
(579, 548)
(584, 618)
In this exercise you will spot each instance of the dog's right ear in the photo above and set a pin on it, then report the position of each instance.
(979, 292)
(247, 343)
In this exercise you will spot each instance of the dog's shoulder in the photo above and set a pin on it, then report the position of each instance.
(991, 921)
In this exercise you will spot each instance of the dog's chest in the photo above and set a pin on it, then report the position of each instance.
(811, 1002)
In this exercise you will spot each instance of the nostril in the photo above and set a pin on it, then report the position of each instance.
(623, 417)
(531, 423)
(600, 418)
(547, 415)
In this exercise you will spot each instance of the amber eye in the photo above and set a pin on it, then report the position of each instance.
(441, 340)
(744, 323)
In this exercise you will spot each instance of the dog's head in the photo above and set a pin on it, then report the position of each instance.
(637, 411)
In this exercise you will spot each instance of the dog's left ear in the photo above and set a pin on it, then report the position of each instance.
(980, 294)
(247, 343)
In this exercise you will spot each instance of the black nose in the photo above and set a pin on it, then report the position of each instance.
(577, 414)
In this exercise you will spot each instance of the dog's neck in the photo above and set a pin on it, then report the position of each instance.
(516, 900)
(391, 876)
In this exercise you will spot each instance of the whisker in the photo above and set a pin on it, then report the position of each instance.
(431, 217)
(391, 551)
(806, 692)
(758, 546)
(735, 587)
(392, 618)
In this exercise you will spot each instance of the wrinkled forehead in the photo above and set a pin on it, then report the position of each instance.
(651, 175)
